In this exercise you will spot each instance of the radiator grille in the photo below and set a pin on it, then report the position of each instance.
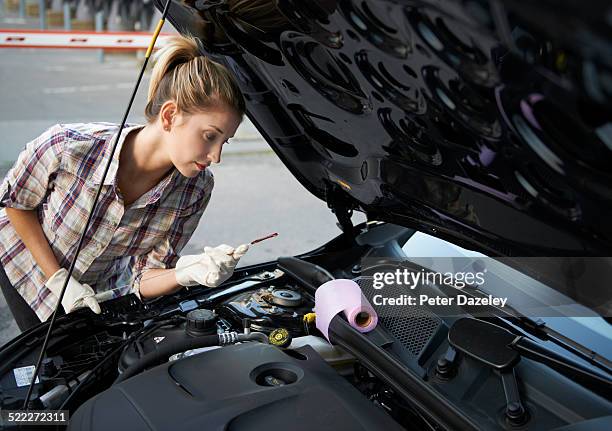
(412, 326)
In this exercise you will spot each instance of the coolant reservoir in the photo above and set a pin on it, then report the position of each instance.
(335, 356)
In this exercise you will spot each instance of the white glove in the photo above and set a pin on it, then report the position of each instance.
(77, 295)
(210, 268)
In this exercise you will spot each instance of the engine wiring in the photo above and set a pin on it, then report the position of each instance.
(132, 337)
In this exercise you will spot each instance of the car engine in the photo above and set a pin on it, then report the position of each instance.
(248, 353)
(89, 357)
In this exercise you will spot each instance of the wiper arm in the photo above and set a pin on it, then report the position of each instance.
(501, 349)
(537, 352)
(539, 329)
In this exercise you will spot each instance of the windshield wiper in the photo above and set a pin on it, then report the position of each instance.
(502, 349)
(538, 329)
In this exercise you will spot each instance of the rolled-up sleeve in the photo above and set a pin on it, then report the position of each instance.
(165, 254)
(25, 184)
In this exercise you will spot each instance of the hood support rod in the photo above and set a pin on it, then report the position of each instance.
(26, 403)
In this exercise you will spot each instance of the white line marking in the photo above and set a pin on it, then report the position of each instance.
(87, 88)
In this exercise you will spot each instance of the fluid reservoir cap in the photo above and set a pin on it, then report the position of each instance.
(201, 322)
(280, 337)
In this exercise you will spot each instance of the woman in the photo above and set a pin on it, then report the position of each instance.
(152, 197)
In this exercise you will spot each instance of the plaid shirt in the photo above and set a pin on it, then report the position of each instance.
(58, 174)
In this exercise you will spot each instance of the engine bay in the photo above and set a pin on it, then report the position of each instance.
(248, 352)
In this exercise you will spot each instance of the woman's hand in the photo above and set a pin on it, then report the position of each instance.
(77, 295)
(210, 268)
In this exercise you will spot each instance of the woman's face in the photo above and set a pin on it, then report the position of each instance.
(194, 141)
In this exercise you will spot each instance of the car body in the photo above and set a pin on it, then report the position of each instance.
(483, 124)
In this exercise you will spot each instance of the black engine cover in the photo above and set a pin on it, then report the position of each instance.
(248, 386)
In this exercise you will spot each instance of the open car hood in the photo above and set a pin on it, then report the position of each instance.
(483, 124)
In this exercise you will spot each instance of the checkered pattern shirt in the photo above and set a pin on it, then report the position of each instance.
(57, 174)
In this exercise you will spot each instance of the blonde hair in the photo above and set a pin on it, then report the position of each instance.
(195, 82)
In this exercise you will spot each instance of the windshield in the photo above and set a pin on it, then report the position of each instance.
(525, 294)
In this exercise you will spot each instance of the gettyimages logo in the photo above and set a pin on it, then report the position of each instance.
(412, 279)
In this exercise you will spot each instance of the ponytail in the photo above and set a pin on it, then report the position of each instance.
(181, 73)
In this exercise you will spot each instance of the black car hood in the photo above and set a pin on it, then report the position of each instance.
(485, 124)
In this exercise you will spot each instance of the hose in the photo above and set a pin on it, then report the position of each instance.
(172, 347)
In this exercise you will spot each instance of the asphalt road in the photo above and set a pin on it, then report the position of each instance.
(254, 193)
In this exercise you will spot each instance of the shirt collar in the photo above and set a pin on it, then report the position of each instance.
(111, 175)
(155, 193)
